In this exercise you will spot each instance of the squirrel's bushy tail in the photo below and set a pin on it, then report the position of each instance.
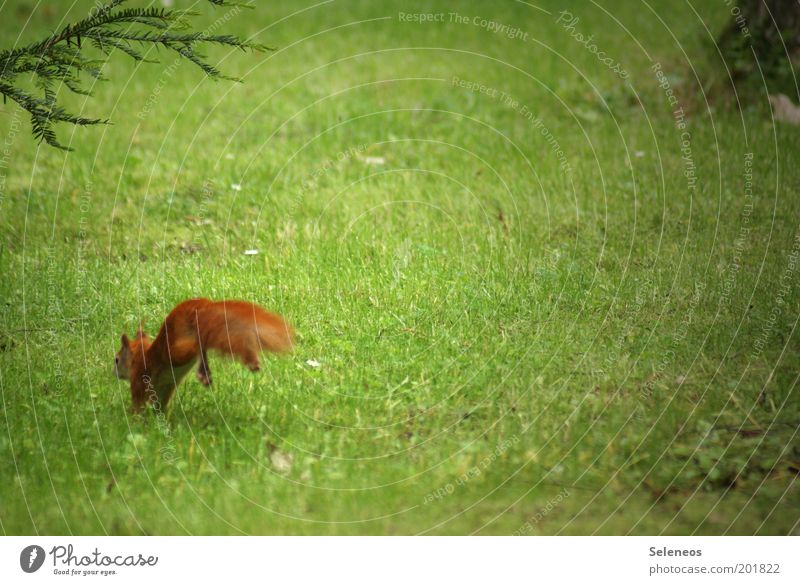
(274, 334)
(240, 328)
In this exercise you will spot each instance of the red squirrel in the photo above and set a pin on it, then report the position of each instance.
(234, 328)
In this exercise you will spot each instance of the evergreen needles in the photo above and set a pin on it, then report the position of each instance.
(32, 75)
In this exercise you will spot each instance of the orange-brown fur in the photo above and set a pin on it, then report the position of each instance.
(234, 328)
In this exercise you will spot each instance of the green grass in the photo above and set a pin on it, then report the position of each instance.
(503, 346)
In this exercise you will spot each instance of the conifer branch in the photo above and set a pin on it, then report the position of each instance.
(61, 59)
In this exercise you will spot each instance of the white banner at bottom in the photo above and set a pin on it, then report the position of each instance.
(400, 560)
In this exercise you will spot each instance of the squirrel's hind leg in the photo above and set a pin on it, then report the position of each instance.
(250, 359)
(203, 371)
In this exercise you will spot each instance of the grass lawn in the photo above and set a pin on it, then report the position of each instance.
(531, 298)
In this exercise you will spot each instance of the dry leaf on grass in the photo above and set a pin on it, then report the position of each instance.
(281, 461)
(784, 109)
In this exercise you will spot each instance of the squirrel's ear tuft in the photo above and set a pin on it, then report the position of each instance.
(125, 342)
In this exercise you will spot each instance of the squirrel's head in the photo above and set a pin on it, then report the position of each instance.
(130, 347)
